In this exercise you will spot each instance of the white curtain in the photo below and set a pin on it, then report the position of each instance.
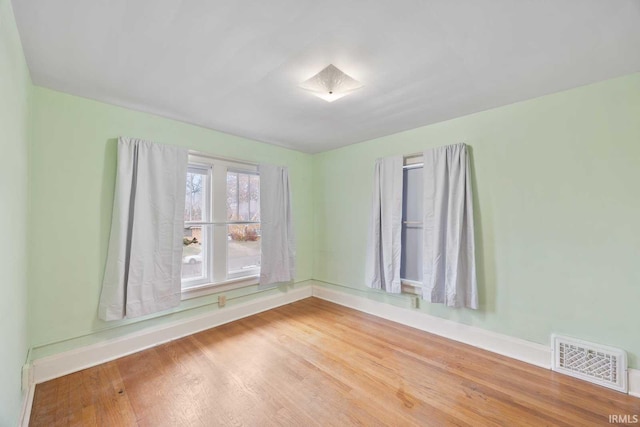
(449, 267)
(144, 261)
(278, 253)
(385, 232)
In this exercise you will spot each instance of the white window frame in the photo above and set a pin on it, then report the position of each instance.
(411, 286)
(216, 277)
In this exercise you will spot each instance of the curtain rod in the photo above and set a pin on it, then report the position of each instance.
(224, 159)
(419, 154)
(413, 166)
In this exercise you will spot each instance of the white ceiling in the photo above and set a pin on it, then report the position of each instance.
(235, 66)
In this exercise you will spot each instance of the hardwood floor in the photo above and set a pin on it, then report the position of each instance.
(316, 363)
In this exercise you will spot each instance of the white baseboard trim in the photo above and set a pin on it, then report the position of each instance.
(515, 348)
(526, 351)
(634, 382)
(67, 362)
(61, 364)
(27, 402)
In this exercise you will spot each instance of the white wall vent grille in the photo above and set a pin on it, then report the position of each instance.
(606, 366)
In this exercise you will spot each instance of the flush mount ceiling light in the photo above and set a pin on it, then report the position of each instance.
(331, 84)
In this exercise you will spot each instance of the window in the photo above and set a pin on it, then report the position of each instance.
(221, 242)
(411, 255)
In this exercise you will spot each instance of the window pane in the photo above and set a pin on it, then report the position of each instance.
(243, 249)
(243, 197)
(411, 257)
(412, 197)
(232, 196)
(195, 208)
(194, 254)
(254, 197)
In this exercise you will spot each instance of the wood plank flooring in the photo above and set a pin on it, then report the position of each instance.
(314, 363)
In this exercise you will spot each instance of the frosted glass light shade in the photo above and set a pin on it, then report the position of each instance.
(331, 84)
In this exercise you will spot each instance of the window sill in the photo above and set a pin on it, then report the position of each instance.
(411, 287)
(212, 288)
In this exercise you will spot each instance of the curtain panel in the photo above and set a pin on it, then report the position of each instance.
(144, 261)
(449, 267)
(278, 251)
(385, 229)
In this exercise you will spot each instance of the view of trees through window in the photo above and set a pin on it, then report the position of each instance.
(194, 198)
(243, 204)
(195, 210)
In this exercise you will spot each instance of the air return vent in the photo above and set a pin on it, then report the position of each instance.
(591, 362)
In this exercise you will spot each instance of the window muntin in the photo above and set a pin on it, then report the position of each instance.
(222, 222)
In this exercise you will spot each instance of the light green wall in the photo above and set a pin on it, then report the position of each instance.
(73, 166)
(14, 96)
(557, 204)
